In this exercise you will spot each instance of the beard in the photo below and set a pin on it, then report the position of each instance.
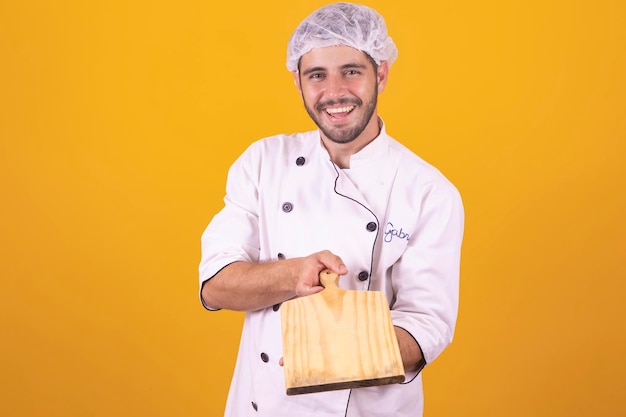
(344, 134)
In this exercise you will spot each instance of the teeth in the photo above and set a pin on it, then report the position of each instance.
(340, 110)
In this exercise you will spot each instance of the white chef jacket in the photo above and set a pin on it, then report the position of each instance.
(395, 221)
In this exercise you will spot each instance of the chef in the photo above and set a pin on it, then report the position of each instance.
(346, 197)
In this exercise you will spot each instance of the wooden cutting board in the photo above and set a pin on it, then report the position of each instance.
(338, 339)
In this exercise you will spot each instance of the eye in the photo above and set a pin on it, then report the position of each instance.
(316, 76)
(353, 72)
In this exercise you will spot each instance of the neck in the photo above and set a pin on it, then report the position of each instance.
(340, 153)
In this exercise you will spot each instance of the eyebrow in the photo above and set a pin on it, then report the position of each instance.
(343, 67)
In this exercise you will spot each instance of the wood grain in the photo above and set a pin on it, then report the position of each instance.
(339, 339)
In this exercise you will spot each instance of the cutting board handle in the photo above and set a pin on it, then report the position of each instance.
(329, 279)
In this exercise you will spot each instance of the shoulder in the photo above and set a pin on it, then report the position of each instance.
(422, 186)
(416, 170)
(271, 154)
(273, 146)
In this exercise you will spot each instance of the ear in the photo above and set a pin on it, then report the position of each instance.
(296, 80)
(382, 75)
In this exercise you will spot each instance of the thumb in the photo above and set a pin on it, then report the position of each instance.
(306, 288)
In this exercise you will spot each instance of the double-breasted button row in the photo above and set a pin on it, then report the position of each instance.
(287, 206)
(280, 257)
(371, 226)
(265, 357)
(363, 275)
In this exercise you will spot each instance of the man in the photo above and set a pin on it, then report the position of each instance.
(346, 197)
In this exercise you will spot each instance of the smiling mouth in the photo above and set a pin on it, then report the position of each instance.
(335, 111)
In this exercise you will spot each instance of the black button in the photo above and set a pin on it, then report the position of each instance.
(255, 406)
(300, 161)
(363, 275)
(281, 256)
(371, 226)
(287, 207)
(264, 357)
(275, 307)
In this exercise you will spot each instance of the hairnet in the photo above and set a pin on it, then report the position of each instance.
(342, 24)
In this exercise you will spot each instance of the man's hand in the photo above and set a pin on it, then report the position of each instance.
(309, 276)
(249, 286)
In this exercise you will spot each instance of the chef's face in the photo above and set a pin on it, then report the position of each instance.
(339, 87)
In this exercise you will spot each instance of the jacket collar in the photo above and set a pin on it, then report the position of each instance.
(373, 150)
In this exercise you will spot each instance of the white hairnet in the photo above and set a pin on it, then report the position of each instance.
(342, 24)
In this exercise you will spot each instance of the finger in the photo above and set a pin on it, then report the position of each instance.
(333, 262)
(302, 290)
(315, 289)
(336, 265)
(341, 269)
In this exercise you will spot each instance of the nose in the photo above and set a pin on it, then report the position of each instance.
(335, 86)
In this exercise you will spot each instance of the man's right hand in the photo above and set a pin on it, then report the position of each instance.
(249, 286)
(309, 276)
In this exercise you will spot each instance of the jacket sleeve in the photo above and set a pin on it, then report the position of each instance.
(233, 233)
(426, 278)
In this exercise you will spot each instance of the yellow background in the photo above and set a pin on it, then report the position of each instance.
(119, 119)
